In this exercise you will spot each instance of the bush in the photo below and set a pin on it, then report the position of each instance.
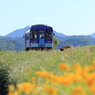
(56, 42)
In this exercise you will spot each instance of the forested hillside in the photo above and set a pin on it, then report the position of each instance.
(13, 45)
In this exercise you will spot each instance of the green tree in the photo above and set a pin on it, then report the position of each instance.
(56, 42)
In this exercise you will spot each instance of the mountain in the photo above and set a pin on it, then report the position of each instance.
(92, 35)
(59, 34)
(17, 35)
(18, 32)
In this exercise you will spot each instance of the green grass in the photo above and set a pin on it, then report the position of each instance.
(23, 65)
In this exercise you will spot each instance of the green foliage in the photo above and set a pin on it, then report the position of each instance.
(0, 48)
(77, 41)
(12, 45)
(56, 42)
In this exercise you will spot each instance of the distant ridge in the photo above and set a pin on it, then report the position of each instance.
(92, 35)
(59, 34)
(18, 32)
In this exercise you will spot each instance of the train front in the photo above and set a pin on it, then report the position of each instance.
(41, 37)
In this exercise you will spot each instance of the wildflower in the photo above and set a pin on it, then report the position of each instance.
(38, 73)
(92, 88)
(11, 87)
(27, 87)
(44, 74)
(33, 79)
(78, 91)
(93, 64)
(19, 88)
(88, 68)
(65, 80)
(13, 93)
(74, 77)
(10, 93)
(91, 80)
(77, 67)
(50, 90)
(64, 67)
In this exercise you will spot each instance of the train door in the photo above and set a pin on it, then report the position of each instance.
(41, 38)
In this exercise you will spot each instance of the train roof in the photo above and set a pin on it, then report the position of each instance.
(40, 26)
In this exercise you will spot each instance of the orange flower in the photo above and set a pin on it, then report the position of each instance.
(27, 87)
(50, 90)
(33, 79)
(74, 77)
(92, 88)
(44, 74)
(64, 67)
(78, 91)
(39, 73)
(88, 68)
(93, 64)
(77, 67)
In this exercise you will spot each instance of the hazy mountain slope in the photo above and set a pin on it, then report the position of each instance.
(92, 35)
(59, 34)
(18, 32)
(7, 44)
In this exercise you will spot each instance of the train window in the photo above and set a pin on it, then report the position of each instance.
(41, 36)
(48, 34)
(27, 36)
(34, 34)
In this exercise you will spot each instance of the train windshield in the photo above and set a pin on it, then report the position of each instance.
(41, 36)
(49, 33)
(34, 34)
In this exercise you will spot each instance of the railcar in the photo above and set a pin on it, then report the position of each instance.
(39, 37)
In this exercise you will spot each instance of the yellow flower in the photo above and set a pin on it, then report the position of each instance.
(10, 93)
(13, 93)
(19, 88)
(11, 87)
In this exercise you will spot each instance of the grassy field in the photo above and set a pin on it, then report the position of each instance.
(23, 66)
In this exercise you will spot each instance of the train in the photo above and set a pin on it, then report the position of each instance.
(39, 37)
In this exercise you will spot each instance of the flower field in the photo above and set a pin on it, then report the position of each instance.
(69, 72)
(76, 80)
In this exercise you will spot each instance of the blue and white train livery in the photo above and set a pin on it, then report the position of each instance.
(39, 37)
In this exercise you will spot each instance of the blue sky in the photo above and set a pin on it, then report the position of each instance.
(70, 17)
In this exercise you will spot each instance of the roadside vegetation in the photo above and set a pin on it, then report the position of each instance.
(68, 72)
